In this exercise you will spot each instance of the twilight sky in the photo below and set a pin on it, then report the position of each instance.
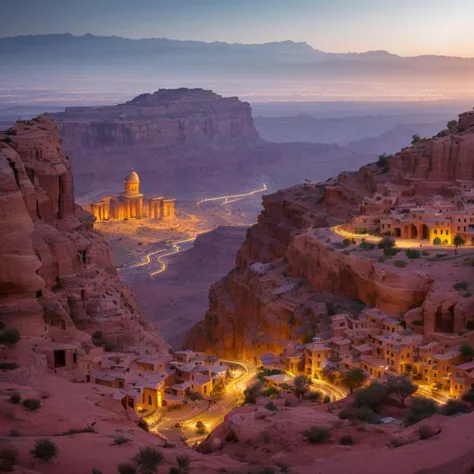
(405, 27)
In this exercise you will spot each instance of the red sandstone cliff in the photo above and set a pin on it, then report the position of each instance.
(185, 142)
(289, 278)
(56, 277)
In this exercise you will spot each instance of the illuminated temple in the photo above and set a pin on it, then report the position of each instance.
(132, 205)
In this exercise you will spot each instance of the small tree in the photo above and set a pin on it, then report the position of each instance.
(353, 378)
(9, 336)
(466, 350)
(419, 409)
(372, 396)
(45, 449)
(317, 434)
(452, 124)
(147, 459)
(402, 387)
(468, 397)
(200, 428)
(458, 240)
(415, 139)
(301, 384)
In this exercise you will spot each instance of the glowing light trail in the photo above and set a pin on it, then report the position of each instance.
(233, 197)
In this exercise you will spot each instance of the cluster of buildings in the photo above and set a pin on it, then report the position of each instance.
(381, 345)
(132, 205)
(438, 221)
(142, 383)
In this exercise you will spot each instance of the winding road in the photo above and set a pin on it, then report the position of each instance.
(178, 246)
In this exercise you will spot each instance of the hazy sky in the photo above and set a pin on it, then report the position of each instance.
(406, 27)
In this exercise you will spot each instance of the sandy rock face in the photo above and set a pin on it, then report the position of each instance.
(56, 274)
(289, 264)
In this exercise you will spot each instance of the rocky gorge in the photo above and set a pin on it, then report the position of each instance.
(289, 277)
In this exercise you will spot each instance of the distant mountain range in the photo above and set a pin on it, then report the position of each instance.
(280, 69)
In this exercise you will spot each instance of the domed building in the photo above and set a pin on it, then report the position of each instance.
(132, 205)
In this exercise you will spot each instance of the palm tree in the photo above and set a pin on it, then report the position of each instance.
(147, 459)
(301, 384)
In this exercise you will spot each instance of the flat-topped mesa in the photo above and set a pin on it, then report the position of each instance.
(166, 118)
(56, 276)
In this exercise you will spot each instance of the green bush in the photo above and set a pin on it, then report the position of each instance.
(386, 243)
(8, 366)
(313, 396)
(32, 403)
(271, 392)
(45, 449)
(372, 396)
(271, 406)
(119, 439)
(15, 398)
(147, 459)
(419, 409)
(412, 253)
(390, 251)
(399, 264)
(346, 440)
(317, 434)
(9, 336)
(453, 407)
(126, 468)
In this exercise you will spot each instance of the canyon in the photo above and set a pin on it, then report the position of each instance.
(289, 277)
(186, 143)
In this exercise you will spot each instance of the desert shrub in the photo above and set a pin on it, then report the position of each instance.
(184, 465)
(9, 455)
(426, 432)
(396, 442)
(9, 336)
(372, 396)
(364, 414)
(194, 396)
(386, 243)
(14, 433)
(96, 471)
(453, 407)
(366, 245)
(346, 440)
(7, 140)
(126, 468)
(418, 322)
(313, 396)
(327, 399)
(87, 429)
(271, 392)
(468, 397)
(32, 403)
(461, 285)
(251, 393)
(97, 338)
(415, 139)
(399, 264)
(119, 439)
(15, 398)
(346, 242)
(425, 253)
(271, 406)
(466, 350)
(45, 449)
(200, 428)
(8, 366)
(412, 253)
(283, 467)
(381, 259)
(266, 470)
(419, 409)
(390, 251)
(147, 459)
(382, 161)
(317, 434)
(143, 425)
(468, 294)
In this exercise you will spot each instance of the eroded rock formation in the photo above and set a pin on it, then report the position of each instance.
(56, 276)
(288, 265)
(185, 142)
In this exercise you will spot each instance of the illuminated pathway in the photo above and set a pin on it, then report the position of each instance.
(178, 246)
(232, 197)
(215, 414)
(401, 243)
